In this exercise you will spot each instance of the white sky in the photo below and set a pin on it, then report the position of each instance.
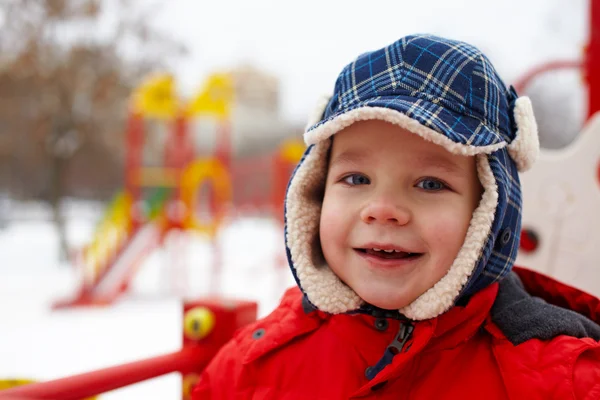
(306, 43)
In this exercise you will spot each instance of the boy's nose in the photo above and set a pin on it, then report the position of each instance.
(386, 213)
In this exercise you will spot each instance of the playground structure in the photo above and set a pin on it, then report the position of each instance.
(158, 200)
(561, 225)
(561, 193)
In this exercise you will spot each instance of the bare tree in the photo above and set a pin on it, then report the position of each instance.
(64, 89)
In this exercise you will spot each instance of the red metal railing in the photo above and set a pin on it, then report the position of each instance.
(523, 82)
(208, 324)
(592, 59)
(93, 383)
(590, 65)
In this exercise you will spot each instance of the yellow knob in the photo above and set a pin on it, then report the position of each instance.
(198, 322)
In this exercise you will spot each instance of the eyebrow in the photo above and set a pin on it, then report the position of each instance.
(354, 157)
(441, 163)
(349, 157)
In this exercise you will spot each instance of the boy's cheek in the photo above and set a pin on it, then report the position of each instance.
(329, 223)
(332, 226)
(447, 231)
(340, 202)
(333, 207)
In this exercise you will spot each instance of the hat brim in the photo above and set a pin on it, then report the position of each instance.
(463, 130)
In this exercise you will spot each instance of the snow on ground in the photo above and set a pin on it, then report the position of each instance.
(37, 343)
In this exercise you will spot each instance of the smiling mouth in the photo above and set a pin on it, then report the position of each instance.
(389, 254)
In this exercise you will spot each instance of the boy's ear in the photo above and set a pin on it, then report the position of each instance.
(525, 147)
(318, 111)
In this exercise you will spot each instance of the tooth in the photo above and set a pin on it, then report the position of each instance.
(389, 251)
(376, 249)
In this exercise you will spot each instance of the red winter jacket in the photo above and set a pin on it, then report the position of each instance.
(503, 344)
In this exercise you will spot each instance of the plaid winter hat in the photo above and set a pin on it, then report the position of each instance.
(446, 92)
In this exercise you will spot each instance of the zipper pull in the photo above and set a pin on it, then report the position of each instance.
(397, 345)
(401, 338)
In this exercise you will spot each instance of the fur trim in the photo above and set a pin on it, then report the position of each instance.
(304, 200)
(318, 111)
(340, 122)
(442, 295)
(525, 148)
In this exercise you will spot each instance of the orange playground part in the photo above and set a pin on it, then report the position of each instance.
(134, 225)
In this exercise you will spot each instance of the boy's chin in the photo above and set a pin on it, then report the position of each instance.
(387, 302)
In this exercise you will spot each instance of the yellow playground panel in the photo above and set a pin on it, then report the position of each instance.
(110, 233)
(205, 170)
(156, 98)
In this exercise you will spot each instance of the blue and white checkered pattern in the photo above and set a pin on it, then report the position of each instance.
(452, 88)
(448, 86)
(500, 250)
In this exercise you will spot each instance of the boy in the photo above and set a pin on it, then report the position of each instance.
(402, 227)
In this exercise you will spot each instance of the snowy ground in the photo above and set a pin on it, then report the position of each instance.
(36, 343)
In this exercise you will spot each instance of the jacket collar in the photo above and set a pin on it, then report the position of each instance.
(291, 320)
(449, 329)
(559, 294)
(530, 305)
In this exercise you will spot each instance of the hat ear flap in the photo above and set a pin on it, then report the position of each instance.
(525, 147)
(318, 111)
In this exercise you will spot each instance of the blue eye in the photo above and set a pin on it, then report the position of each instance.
(432, 185)
(356, 179)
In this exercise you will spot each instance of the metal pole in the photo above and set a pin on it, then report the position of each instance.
(135, 142)
(523, 82)
(592, 59)
(190, 358)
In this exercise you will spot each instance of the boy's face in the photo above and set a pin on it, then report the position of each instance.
(389, 189)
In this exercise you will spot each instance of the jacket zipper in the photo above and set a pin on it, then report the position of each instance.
(405, 332)
(395, 347)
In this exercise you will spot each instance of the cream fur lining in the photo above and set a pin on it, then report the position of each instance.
(525, 148)
(304, 200)
(318, 110)
(340, 122)
(442, 295)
